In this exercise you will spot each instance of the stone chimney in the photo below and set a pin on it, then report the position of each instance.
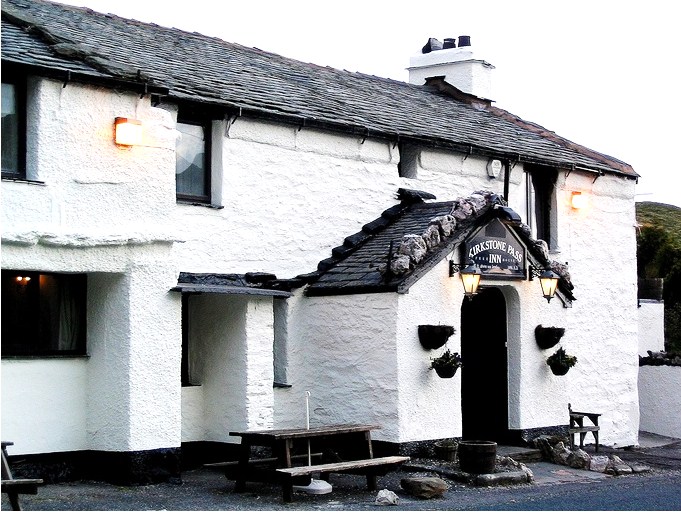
(456, 63)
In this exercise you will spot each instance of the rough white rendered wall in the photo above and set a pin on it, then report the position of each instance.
(259, 394)
(650, 326)
(231, 344)
(600, 245)
(154, 361)
(104, 211)
(429, 407)
(659, 389)
(283, 187)
(193, 416)
(44, 405)
(342, 350)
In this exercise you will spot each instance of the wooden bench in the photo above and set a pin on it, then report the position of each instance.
(368, 467)
(13, 487)
(231, 467)
(577, 426)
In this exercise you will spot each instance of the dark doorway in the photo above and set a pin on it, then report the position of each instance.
(484, 375)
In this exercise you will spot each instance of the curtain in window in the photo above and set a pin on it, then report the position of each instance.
(69, 319)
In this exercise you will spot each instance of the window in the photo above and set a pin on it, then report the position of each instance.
(409, 160)
(192, 167)
(43, 314)
(13, 129)
(541, 182)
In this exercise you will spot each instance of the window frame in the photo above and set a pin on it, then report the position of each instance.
(541, 203)
(191, 117)
(38, 341)
(19, 82)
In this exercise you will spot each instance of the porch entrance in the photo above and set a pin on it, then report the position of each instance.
(484, 375)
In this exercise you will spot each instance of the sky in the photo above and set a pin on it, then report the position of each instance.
(602, 73)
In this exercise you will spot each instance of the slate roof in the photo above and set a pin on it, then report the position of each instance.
(359, 265)
(51, 38)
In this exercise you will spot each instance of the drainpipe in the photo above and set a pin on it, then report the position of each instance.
(507, 179)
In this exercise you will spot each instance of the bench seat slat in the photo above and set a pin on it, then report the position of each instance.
(583, 429)
(343, 466)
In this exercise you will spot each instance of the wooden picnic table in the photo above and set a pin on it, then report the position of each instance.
(352, 439)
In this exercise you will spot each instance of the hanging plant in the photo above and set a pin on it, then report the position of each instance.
(548, 337)
(434, 336)
(560, 362)
(446, 364)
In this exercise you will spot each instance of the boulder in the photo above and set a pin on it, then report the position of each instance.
(599, 463)
(462, 209)
(413, 246)
(560, 454)
(425, 487)
(637, 467)
(579, 459)
(432, 237)
(445, 223)
(617, 467)
(386, 497)
(400, 264)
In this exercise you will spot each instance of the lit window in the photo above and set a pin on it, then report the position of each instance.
(43, 314)
(192, 169)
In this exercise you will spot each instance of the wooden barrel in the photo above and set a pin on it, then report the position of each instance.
(477, 456)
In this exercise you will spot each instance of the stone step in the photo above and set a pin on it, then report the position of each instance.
(520, 454)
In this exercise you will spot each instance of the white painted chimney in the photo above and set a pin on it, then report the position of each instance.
(456, 63)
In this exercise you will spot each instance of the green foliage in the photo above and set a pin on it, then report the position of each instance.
(561, 358)
(448, 359)
(659, 256)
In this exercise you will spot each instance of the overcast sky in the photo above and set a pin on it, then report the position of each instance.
(602, 73)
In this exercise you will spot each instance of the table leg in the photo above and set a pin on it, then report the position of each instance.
(371, 478)
(244, 456)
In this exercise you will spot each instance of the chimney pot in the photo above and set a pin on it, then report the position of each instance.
(432, 45)
(450, 42)
(464, 41)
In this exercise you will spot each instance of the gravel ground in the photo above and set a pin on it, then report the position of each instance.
(205, 489)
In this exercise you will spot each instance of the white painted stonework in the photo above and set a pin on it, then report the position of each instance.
(660, 411)
(650, 326)
(287, 196)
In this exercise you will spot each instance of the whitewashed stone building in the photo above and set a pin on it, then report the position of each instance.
(160, 293)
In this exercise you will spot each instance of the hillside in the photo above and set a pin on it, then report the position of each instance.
(664, 216)
(659, 255)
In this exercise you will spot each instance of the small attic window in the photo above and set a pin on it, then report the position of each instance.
(409, 158)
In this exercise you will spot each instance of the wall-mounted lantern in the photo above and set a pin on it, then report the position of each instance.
(548, 280)
(470, 277)
(127, 132)
(578, 201)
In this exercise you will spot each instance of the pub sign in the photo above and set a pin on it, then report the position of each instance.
(496, 251)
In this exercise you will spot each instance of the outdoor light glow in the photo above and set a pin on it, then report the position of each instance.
(128, 132)
(549, 282)
(578, 200)
(470, 277)
(22, 279)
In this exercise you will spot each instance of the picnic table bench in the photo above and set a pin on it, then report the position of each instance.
(577, 426)
(281, 470)
(13, 487)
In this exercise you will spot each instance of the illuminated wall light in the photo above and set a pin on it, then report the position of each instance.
(578, 200)
(127, 132)
(22, 279)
